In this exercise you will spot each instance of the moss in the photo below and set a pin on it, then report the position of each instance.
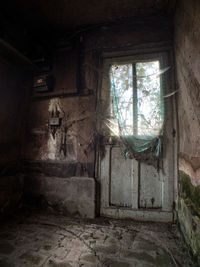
(189, 213)
(190, 226)
(189, 193)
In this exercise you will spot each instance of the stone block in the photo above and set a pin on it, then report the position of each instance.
(73, 196)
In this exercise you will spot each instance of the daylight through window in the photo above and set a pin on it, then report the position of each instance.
(136, 99)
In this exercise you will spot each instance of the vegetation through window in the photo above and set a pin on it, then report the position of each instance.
(136, 99)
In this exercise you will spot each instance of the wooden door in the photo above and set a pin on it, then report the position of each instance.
(131, 187)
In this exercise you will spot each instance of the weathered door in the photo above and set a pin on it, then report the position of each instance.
(130, 187)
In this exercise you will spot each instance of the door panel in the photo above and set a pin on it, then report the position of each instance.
(150, 187)
(121, 179)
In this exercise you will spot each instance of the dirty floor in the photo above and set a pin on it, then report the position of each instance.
(29, 239)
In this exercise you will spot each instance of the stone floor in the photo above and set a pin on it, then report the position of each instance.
(29, 239)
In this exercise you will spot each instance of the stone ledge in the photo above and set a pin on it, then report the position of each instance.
(73, 196)
(59, 169)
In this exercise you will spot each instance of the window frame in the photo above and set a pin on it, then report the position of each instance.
(133, 59)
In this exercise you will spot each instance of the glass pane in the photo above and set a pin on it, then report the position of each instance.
(149, 111)
(121, 78)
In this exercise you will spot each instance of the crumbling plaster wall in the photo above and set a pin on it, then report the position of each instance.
(73, 142)
(59, 164)
(187, 42)
(14, 94)
(77, 104)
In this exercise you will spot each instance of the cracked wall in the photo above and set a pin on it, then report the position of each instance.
(187, 41)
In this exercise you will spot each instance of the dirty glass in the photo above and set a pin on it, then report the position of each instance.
(122, 100)
(136, 103)
(149, 112)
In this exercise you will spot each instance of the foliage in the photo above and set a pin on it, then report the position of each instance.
(136, 102)
(146, 117)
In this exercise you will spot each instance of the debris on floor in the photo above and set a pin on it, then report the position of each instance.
(31, 239)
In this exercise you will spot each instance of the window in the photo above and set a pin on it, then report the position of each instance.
(136, 97)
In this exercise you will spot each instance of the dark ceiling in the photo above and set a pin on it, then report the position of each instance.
(58, 15)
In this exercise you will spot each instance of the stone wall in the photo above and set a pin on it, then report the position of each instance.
(76, 67)
(187, 41)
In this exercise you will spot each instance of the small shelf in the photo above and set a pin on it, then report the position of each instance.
(49, 95)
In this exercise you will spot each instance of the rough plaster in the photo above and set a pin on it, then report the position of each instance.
(187, 67)
(187, 55)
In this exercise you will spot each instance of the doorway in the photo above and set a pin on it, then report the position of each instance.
(138, 146)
